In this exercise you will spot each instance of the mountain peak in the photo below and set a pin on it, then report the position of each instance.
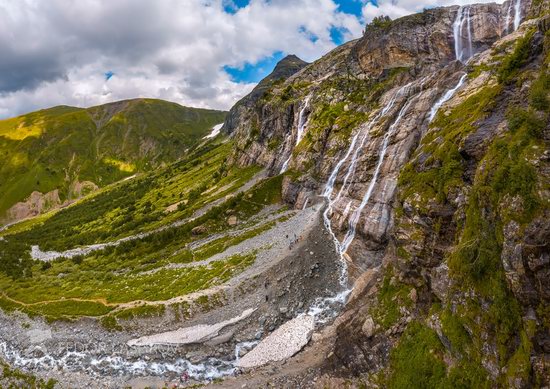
(292, 58)
(287, 67)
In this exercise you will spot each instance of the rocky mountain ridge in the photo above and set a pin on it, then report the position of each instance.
(407, 144)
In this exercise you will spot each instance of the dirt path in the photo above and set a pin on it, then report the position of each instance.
(98, 300)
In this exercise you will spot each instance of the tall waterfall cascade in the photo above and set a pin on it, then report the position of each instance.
(508, 17)
(354, 219)
(517, 14)
(352, 154)
(514, 7)
(463, 39)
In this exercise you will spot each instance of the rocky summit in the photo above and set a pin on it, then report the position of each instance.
(378, 218)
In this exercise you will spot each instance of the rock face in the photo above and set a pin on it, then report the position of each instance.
(449, 208)
(38, 203)
(426, 40)
(245, 117)
(283, 343)
(408, 42)
(35, 204)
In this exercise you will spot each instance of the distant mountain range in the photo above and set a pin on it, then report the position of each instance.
(58, 154)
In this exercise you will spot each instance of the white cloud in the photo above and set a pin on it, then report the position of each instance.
(57, 51)
(170, 49)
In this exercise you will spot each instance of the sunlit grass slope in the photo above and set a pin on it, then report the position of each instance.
(58, 148)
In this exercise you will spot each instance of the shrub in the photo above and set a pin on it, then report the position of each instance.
(382, 21)
(538, 95)
(519, 117)
(517, 59)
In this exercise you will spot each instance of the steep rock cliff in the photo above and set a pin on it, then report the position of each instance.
(435, 172)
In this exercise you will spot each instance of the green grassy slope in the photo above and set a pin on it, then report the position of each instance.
(57, 147)
(96, 284)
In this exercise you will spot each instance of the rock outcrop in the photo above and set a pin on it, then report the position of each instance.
(35, 204)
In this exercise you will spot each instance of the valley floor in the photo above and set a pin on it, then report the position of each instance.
(293, 247)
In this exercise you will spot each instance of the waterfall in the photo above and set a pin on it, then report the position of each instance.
(446, 97)
(329, 187)
(508, 17)
(301, 129)
(516, 6)
(285, 164)
(347, 209)
(457, 30)
(350, 235)
(353, 151)
(517, 14)
(302, 120)
(353, 164)
(322, 310)
(463, 54)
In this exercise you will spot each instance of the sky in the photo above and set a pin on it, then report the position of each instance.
(200, 53)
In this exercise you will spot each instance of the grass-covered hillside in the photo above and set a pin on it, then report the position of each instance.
(74, 150)
(171, 208)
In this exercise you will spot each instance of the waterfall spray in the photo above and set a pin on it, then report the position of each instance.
(463, 15)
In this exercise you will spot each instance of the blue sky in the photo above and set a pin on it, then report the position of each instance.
(254, 72)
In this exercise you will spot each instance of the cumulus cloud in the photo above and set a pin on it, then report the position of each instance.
(58, 51)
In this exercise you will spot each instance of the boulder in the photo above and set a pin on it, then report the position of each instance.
(232, 220)
(368, 327)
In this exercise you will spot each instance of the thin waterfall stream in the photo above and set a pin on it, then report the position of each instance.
(446, 97)
(302, 121)
(517, 14)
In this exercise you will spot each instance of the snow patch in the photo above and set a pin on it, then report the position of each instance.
(215, 131)
(189, 335)
(282, 344)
